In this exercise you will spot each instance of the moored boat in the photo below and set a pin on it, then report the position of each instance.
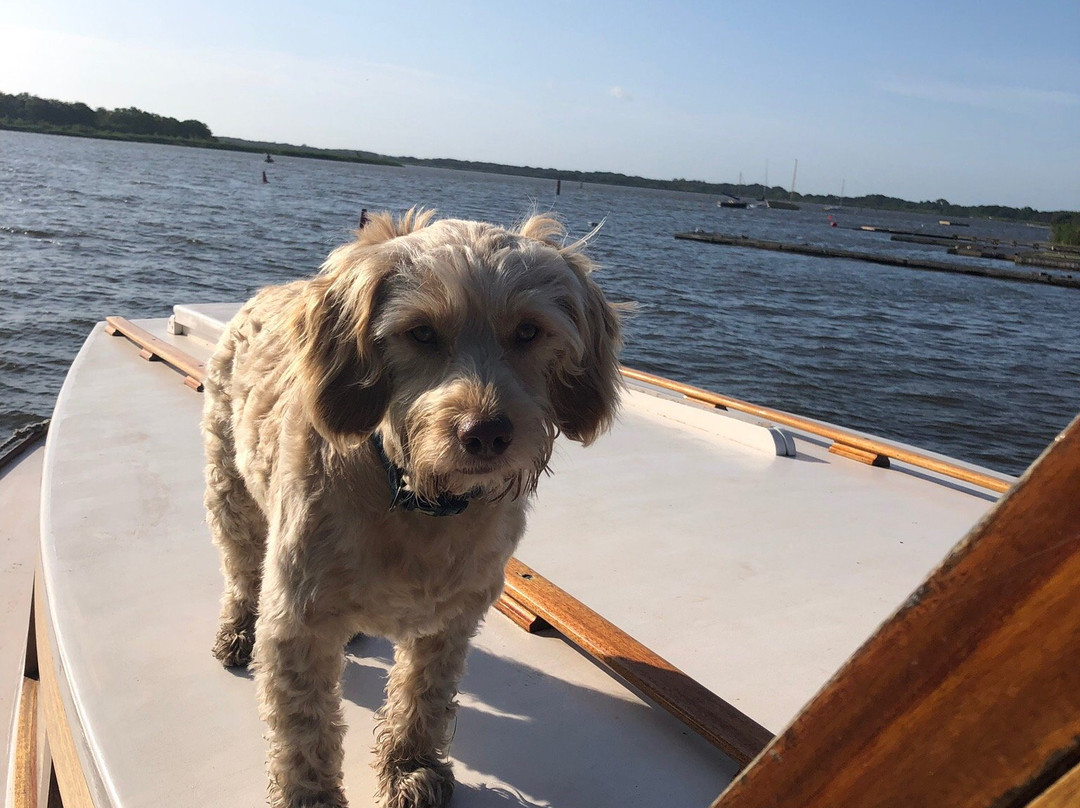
(744, 555)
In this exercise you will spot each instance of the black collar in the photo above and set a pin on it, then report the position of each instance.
(401, 496)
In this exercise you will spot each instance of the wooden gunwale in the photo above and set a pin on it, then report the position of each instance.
(865, 445)
(969, 695)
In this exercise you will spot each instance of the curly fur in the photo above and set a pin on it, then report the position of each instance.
(417, 330)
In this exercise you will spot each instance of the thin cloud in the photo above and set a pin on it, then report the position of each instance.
(987, 97)
(619, 93)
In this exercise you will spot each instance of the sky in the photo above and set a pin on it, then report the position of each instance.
(974, 102)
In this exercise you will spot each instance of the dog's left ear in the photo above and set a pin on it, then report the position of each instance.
(586, 395)
(339, 368)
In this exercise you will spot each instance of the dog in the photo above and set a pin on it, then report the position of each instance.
(373, 436)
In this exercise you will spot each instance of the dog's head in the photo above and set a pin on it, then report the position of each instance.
(466, 345)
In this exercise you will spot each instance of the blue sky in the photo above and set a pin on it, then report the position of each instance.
(972, 102)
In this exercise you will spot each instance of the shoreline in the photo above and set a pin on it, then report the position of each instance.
(871, 202)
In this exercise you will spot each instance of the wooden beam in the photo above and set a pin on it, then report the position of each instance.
(723, 725)
(970, 694)
(848, 439)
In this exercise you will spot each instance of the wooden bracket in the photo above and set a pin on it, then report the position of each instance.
(528, 620)
(871, 458)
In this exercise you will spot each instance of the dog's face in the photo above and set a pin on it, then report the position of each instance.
(468, 346)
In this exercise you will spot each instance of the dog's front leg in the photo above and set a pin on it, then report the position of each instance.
(298, 667)
(413, 737)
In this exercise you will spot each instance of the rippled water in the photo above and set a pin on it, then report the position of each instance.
(984, 370)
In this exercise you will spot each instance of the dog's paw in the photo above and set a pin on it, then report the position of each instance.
(234, 645)
(426, 785)
(336, 799)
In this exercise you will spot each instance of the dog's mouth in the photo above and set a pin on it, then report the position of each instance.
(478, 469)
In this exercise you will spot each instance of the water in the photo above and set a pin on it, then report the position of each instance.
(983, 370)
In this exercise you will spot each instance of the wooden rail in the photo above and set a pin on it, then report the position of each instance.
(845, 442)
(724, 726)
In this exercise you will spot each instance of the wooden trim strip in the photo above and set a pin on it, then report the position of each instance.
(842, 436)
(24, 779)
(154, 348)
(66, 762)
(970, 694)
(723, 725)
(1065, 793)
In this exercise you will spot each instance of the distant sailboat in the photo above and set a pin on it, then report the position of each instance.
(839, 207)
(780, 204)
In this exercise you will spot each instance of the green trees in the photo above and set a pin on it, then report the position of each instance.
(1066, 229)
(26, 111)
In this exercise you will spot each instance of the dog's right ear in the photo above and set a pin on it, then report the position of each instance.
(339, 368)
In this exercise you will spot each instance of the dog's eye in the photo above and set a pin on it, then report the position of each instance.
(424, 334)
(526, 332)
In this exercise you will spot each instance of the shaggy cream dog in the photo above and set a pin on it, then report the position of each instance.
(373, 435)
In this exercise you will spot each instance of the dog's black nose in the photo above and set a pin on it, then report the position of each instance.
(486, 437)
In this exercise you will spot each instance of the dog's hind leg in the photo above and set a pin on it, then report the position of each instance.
(413, 737)
(238, 528)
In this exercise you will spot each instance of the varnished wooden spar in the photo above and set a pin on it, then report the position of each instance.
(970, 694)
(846, 443)
(726, 727)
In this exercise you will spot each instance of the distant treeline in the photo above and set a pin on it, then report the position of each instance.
(750, 192)
(31, 113)
(25, 111)
(288, 150)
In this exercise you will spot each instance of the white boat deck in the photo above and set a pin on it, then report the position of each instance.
(755, 572)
